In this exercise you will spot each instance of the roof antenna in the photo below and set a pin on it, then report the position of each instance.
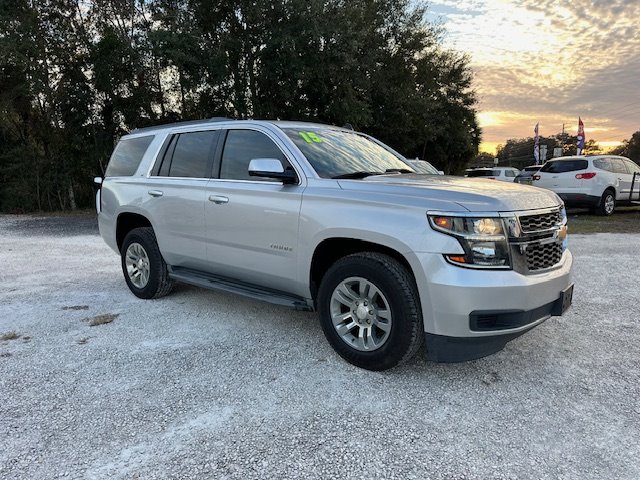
(348, 126)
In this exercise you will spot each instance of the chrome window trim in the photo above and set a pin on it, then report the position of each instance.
(222, 127)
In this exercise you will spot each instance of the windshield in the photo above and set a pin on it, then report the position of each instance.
(483, 173)
(422, 166)
(336, 153)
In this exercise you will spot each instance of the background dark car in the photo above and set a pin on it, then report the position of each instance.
(526, 174)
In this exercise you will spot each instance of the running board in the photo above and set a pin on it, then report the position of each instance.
(214, 282)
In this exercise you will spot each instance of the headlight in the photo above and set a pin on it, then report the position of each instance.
(483, 240)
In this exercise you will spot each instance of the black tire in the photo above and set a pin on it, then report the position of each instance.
(398, 287)
(159, 284)
(604, 207)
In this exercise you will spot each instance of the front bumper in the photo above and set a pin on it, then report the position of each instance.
(441, 348)
(451, 295)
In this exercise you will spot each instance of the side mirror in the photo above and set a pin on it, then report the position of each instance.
(440, 172)
(271, 168)
(97, 181)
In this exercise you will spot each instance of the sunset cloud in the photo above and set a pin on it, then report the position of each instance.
(542, 61)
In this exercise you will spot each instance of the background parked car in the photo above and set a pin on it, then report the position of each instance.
(424, 167)
(599, 182)
(526, 174)
(504, 174)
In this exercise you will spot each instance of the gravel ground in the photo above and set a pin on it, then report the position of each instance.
(209, 385)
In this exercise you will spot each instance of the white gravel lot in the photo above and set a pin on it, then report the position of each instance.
(202, 384)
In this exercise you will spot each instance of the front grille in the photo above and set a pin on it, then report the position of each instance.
(543, 221)
(544, 256)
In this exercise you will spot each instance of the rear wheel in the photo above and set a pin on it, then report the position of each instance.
(145, 271)
(607, 203)
(370, 311)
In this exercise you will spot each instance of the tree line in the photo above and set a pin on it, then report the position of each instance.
(75, 75)
(518, 152)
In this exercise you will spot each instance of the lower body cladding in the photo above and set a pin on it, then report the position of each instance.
(469, 314)
(580, 199)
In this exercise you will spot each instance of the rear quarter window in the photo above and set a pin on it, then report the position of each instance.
(127, 156)
(561, 166)
(603, 164)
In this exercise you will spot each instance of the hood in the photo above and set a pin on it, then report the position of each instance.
(473, 194)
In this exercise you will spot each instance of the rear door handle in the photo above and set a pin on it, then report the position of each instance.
(155, 193)
(218, 199)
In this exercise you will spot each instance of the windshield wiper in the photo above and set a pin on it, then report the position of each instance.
(357, 175)
(363, 174)
(398, 170)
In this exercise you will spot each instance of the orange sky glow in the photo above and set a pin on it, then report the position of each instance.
(549, 62)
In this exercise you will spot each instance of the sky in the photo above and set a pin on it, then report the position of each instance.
(549, 61)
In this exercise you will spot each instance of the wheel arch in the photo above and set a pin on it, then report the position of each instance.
(329, 250)
(126, 222)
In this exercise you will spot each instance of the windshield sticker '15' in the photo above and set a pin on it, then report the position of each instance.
(310, 137)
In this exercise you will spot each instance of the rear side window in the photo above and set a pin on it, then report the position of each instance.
(189, 155)
(484, 173)
(633, 167)
(127, 156)
(241, 147)
(561, 166)
(618, 165)
(509, 173)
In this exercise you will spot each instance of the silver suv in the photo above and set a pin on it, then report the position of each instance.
(322, 218)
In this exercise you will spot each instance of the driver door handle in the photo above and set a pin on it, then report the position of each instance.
(155, 193)
(218, 199)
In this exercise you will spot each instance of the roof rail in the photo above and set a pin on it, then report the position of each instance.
(180, 124)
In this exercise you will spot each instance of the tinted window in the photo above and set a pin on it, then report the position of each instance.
(603, 164)
(618, 165)
(532, 169)
(509, 173)
(241, 147)
(127, 156)
(560, 166)
(632, 166)
(484, 173)
(191, 156)
(333, 153)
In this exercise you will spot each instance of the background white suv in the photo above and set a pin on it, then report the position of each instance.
(599, 182)
(505, 174)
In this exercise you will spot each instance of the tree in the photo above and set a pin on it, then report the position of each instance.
(630, 148)
(518, 152)
(75, 75)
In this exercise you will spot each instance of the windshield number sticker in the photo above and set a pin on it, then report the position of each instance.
(310, 137)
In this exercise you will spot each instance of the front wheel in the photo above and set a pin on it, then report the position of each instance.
(370, 311)
(145, 271)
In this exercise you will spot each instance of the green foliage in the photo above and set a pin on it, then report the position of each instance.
(630, 148)
(75, 75)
